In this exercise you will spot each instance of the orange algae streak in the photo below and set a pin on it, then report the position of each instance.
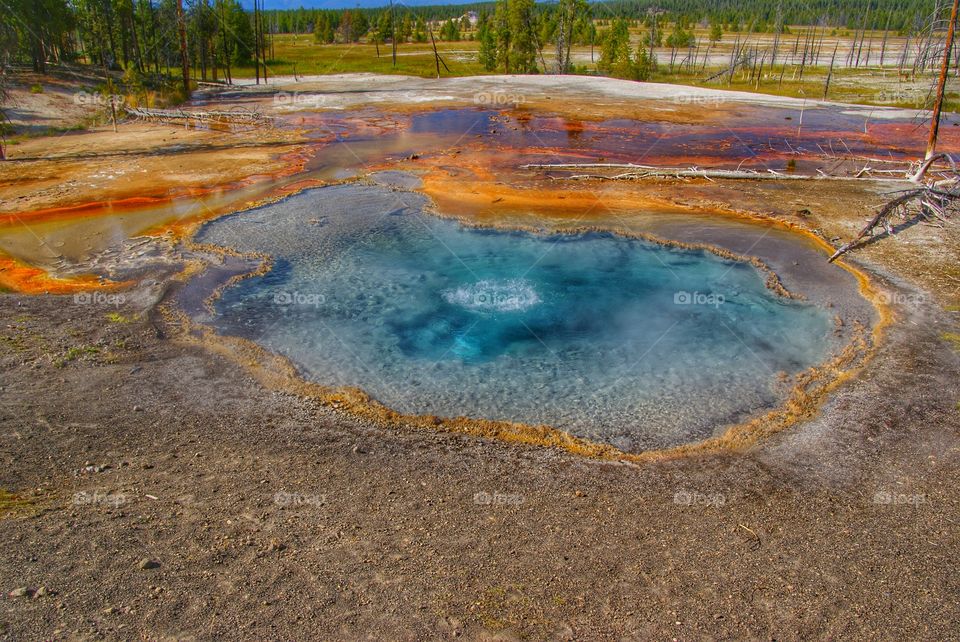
(26, 279)
(93, 208)
(474, 194)
(294, 163)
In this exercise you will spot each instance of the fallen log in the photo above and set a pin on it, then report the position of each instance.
(649, 171)
(933, 200)
(214, 116)
(206, 83)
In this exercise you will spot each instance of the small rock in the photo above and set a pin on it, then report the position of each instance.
(21, 591)
(147, 563)
(138, 408)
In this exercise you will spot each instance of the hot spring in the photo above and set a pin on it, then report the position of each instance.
(610, 338)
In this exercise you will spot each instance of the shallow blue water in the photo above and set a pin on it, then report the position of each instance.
(614, 339)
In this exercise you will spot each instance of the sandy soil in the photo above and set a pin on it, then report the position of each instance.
(152, 488)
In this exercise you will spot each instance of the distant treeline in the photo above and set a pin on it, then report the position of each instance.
(206, 38)
(764, 15)
(144, 37)
(899, 16)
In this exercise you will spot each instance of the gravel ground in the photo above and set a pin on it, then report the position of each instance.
(158, 492)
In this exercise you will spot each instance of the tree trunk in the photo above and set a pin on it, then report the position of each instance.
(941, 82)
(184, 63)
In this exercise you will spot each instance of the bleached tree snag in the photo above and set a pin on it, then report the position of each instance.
(942, 81)
(925, 167)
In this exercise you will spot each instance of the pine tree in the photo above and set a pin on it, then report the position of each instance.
(615, 58)
(716, 32)
(488, 47)
(420, 30)
(503, 35)
(523, 42)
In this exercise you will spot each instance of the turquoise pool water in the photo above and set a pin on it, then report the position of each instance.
(614, 339)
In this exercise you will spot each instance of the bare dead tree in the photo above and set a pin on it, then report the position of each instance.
(826, 85)
(934, 200)
(4, 119)
(863, 34)
(941, 82)
(760, 70)
(184, 62)
(438, 60)
(393, 34)
(778, 30)
(883, 44)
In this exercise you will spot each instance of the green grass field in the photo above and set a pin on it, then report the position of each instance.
(298, 53)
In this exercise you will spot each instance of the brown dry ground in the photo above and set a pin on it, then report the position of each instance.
(272, 517)
(141, 160)
(843, 526)
(63, 99)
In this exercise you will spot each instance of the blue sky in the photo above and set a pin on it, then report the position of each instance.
(345, 4)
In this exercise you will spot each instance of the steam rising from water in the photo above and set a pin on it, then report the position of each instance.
(515, 295)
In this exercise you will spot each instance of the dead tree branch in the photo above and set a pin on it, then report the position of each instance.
(932, 200)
